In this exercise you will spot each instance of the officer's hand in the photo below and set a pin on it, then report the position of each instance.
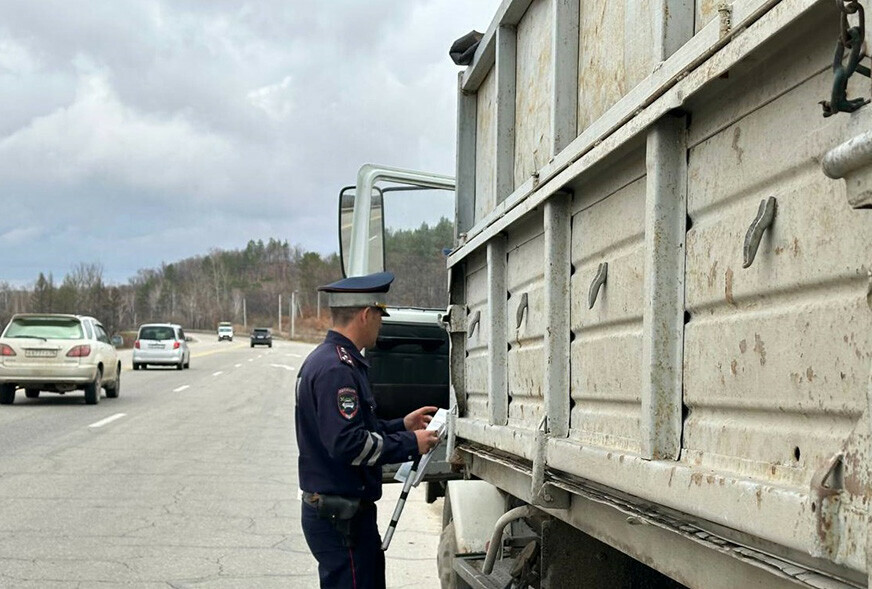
(427, 438)
(418, 419)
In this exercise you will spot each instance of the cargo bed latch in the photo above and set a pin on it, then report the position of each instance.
(849, 38)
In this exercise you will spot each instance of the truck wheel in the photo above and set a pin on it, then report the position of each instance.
(7, 394)
(115, 388)
(93, 390)
(445, 557)
(31, 393)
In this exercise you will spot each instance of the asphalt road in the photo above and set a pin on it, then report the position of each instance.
(188, 479)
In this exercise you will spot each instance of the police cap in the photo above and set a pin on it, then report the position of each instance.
(360, 291)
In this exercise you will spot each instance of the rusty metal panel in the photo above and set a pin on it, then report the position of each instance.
(534, 88)
(526, 322)
(777, 354)
(485, 148)
(706, 11)
(606, 354)
(615, 53)
(477, 338)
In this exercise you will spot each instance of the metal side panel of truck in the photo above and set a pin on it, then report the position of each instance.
(661, 319)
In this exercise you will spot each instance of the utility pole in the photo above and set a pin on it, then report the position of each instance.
(279, 330)
(293, 313)
(318, 298)
(244, 316)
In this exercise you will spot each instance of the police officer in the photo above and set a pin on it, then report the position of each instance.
(343, 443)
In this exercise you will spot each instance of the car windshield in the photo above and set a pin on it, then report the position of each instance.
(261, 331)
(45, 327)
(156, 332)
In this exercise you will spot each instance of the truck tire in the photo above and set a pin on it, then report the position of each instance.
(7, 394)
(31, 393)
(445, 557)
(93, 389)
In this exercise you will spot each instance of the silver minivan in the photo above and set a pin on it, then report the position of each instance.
(161, 344)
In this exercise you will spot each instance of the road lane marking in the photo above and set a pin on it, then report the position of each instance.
(217, 373)
(283, 366)
(251, 359)
(237, 365)
(219, 350)
(109, 419)
(294, 355)
(182, 388)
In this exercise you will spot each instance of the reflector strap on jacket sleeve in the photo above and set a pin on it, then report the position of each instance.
(367, 446)
(380, 445)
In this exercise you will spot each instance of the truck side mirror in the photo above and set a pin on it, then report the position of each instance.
(376, 231)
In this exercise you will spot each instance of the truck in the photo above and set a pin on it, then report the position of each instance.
(659, 321)
(225, 331)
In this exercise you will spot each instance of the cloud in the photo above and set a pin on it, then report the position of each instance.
(275, 100)
(211, 121)
(97, 138)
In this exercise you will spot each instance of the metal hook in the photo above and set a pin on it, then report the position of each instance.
(599, 280)
(765, 217)
(476, 319)
(522, 306)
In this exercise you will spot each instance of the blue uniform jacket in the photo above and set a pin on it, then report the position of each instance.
(342, 443)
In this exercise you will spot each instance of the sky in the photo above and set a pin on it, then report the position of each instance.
(140, 132)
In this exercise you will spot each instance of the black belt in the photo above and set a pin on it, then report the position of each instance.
(312, 499)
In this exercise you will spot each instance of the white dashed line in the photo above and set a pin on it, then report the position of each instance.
(182, 388)
(217, 373)
(110, 419)
(283, 366)
(237, 365)
(294, 355)
(251, 359)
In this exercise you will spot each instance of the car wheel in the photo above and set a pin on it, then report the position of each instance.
(270, 345)
(180, 365)
(93, 389)
(7, 394)
(188, 363)
(135, 366)
(113, 390)
(31, 393)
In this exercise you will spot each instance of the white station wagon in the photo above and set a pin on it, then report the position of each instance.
(161, 344)
(57, 353)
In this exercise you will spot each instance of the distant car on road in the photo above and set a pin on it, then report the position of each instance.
(161, 344)
(225, 331)
(261, 336)
(57, 353)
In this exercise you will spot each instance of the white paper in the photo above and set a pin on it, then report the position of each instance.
(438, 423)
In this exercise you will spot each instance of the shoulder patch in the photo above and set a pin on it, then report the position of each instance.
(344, 356)
(349, 404)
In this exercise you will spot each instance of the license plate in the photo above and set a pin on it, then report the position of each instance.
(156, 346)
(30, 353)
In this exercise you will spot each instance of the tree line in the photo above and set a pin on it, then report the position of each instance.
(233, 285)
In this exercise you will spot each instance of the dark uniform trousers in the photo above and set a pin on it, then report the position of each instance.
(340, 567)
